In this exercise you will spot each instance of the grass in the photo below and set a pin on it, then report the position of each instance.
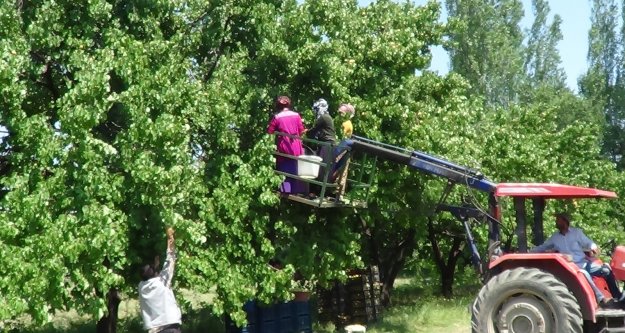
(413, 310)
(197, 320)
(433, 315)
(417, 310)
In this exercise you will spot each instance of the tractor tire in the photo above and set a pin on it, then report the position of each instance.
(525, 300)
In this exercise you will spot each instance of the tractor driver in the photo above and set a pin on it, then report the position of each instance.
(573, 242)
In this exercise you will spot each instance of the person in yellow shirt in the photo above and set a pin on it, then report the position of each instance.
(346, 113)
(341, 160)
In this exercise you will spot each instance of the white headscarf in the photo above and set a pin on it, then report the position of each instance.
(320, 107)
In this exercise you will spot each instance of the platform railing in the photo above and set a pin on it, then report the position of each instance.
(363, 168)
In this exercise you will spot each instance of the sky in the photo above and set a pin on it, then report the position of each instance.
(573, 47)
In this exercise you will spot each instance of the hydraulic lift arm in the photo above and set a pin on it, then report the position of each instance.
(425, 163)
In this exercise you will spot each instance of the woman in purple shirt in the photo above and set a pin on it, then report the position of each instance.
(288, 121)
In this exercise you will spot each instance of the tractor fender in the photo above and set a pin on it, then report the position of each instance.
(557, 265)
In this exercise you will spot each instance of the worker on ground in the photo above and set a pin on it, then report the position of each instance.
(159, 310)
(573, 242)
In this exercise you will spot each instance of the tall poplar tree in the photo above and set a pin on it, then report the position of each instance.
(614, 142)
(486, 47)
(542, 59)
(599, 84)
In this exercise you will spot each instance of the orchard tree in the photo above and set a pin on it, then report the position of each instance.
(437, 116)
(105, 121)
(368, 57)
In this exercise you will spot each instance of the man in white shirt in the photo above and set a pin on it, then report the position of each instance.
(573, 242)
(159, 310)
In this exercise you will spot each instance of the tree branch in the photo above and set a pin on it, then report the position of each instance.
(204, 15)
(220, 50)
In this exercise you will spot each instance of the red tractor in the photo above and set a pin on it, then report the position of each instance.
(543, 292)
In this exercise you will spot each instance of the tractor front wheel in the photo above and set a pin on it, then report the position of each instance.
(525, 300)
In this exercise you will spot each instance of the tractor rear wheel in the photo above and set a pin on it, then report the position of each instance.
(525, 300)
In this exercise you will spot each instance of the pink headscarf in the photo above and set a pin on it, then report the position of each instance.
(347, 109)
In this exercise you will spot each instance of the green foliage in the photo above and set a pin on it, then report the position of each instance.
(124, 118)
(105, 149)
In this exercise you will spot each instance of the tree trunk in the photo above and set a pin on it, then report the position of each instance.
(446, 268)
(108, 323)
(448, 273)
(521, 224)
(538, 206)
(447, 282)
(393, 264)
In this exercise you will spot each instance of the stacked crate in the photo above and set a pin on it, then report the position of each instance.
(356, 301)
(289, 317)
